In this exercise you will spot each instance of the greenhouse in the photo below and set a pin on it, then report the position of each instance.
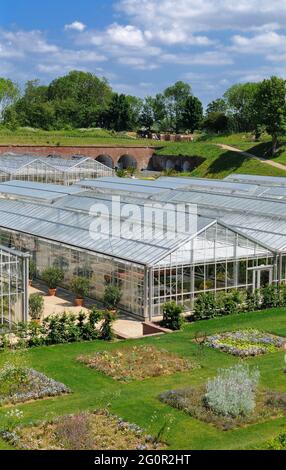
(60, 228)
(51, 169)
(14, 274)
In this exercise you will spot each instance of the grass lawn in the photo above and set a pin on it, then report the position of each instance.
(83, 137)
(219, 163)
(244, 141)
(138, 401)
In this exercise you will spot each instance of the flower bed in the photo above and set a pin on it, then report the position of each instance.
(192, 401)
(136, 363)
(33, 386)
(245, 343)
(85, 431)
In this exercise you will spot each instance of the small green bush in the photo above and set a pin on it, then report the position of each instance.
(270, 297)
(205, 306)
(106, 330)
(253, 300)
(172, 316)
(112, 296)
(52, 277)
(36, 306)
(80, 287)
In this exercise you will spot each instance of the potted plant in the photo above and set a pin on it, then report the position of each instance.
(80, 287)
(36, 306)
(52, 277)
(32, 271)
(112, 297)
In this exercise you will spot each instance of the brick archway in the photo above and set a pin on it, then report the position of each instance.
(105, 160)
(127, 161)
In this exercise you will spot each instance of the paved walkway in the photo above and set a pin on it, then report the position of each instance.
(124, 326)
(260, 159)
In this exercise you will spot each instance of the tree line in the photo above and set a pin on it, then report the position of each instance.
(83, 100)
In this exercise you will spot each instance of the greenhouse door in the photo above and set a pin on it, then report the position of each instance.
(262, 277)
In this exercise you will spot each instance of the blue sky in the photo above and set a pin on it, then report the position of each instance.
(142, 46)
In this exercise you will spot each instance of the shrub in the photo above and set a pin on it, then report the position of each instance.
(172, 316)
(270, 297)
(233, 392)
(231, 304)
(53, 277)
(112, 296)
(13, 377)
(106, 331)
(282, 289)
(36, 306)
(279, 443)
(253, 300)
(205, 306)
(88, 325)
(80, 287)
(62, 329)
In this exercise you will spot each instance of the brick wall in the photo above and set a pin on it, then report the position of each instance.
(142, 155)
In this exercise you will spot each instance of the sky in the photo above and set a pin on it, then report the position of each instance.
(143, 46)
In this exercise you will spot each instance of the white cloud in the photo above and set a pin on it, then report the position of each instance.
(75, 26)
(203, 15)
(210, 58)
(26, 41)
(138, 63)
(260, 43)
(129, 36)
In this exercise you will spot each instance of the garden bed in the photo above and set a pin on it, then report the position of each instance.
(245, 343)
(28, 385)
(192, 401)
(136, 363)
(85, 431)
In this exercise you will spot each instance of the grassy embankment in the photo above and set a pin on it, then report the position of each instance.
(218, 162)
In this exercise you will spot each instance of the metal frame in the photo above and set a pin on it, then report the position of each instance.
(51, 170)
(14, 280)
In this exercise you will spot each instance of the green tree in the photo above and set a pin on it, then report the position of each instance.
(135, 110)
(217, 106)
(80, 99)
(147, 116)
(117, 116)
(192, 114)
(216, 122)
(9, 92)
(175, 98)
(240, 100)
(271, 103)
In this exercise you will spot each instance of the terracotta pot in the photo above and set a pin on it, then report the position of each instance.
(79, 302)
(52, 292)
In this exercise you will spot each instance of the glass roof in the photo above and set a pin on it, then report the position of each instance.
(12, 163)
(62, 214)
